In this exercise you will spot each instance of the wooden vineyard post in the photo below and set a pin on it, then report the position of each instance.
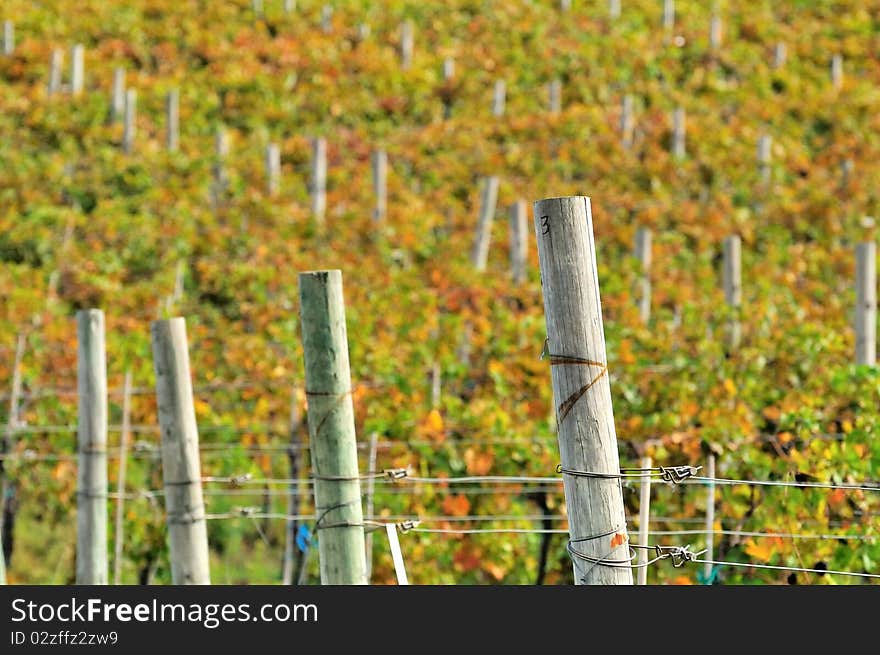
(764, 144)
(273, 169)
(117, 98)
(124, 437)
(499, 97)
(668, 14)
(837, 71)
(337, 485)
(643, 254)
(678, 133)
(519, 241)
(129, 122)
(644, 523)
(554, 96)
(581, 391)
(780, 55)
(319, 179)
(866, 303)
(8, 37)
(77, 69)
(55, 62)
(181, 469)
(371, 489)
(614, 9)
(488, 201)
(380, 184)
(627, 122)
(710, 517)
(732, 279)
(172, 120)
(8, 435)
(715, 32)
(326, 19)
(406, 45)
(91, 437)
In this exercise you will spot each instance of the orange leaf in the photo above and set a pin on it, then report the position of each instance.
(618, 540)
(456, 505)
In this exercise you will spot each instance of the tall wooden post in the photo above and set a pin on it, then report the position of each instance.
(181, 469)
(499, 97)
(380, 184)
(124, 438)
(129, 128)
(488, 201)
(715, 32)
(614, 9)
(642, 250)
(668, 14)
(8, 37)
(764, 144)
(273, 169)
(331, 429)
(326, 19)
(8, 435)
(866, 303)
(644, 523)
(581, 390)
(55, 62)
(732, 279)
(91, 437)
(117, 97)
(172, 119)
(627, 122)
(519, 241)
(77, 69)
(554, 93)
(837, 71)
(780, 55)
(678, 133)
(406, 45)
(319, 178)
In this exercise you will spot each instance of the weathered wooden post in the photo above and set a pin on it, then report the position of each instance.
(257, 6)
(406, 45)
(764, 145)
(91, 437)
(319, 178)
(519, 241)
(117, 97)
(124, 437)
(710, 517)
(499, 97)
(289, 6)
(644, 522)
(554, 93)
(866, 303)
(8, 435)
(837, 71)
(55, 62)
(77, 69)
(380, 184)
(448, 69)
(488, 201)
(614, 9)
(221, 151)
(627, 122)
(732, 279)
(8, 37)
(172, 119)
(273, 169)
(181, 469)
(129, 127)
(780, 55)
(436, 384)
(581, 391)
(326, 19)
(668, 14)
(678, 133)
(331, 429)
(642, 251)
(715, 32)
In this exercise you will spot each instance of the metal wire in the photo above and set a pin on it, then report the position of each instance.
(786, 568)
(863, 486)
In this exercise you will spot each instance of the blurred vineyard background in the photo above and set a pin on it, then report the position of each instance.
(85, 224)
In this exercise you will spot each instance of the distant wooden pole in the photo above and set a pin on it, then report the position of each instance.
(319, 178)
(499, 97)
(644, 523)
(519, 241)
(448, 69)
(8, 436)
(8, 37)
(273, 169)
(380, 184)
(289, 6)
(117, 100)
(642, 251)
(294, 458)
(120, 482)
(678, 133)
(91, 437)
(55, 63)
(866, 303)
(406, 45)
(172, 119)
(331, 429)
(614, 9)
(130, 121)
(581, 390)
(710, 517)
(436, 385)
(221, 151)
(181, 469)
(715, 32)
(554, 92)
(371, 488)
(846, 169)
(627, 121)
(837, 71)
(257, 6)
(732, 279)
(780, 55)
(77, 69)
(764, 145)
(488, 201)
(668, 14)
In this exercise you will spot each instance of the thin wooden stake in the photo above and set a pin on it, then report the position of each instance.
(8, 37)
(780, 55)
(181, 469)
(371, 488)
(55, 63)
(91, 437)
(77, 69)
(120, 482)
(668, 14)
(273, 169)
(406, 45)
(172, 119)
(499, 97)
(732, 279)
(837, 71)
(319, 178)
(289, 6)
(117, 99)
(380, 184)
(764, 145)
(581, 390)
(331, 429)
(627, 122)
(436, 385)
(326, 19)
(866, 303)
(642, 251)
(8, 437)
(554, 93)
(614, 9)
(715, 32)
(644, 523)
(130, 121)
(678, 133)
(448, 69)
(396, 554)
(710, 518)
(519, 241)
(488, 201)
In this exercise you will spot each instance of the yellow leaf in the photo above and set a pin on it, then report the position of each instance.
(730, 387)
